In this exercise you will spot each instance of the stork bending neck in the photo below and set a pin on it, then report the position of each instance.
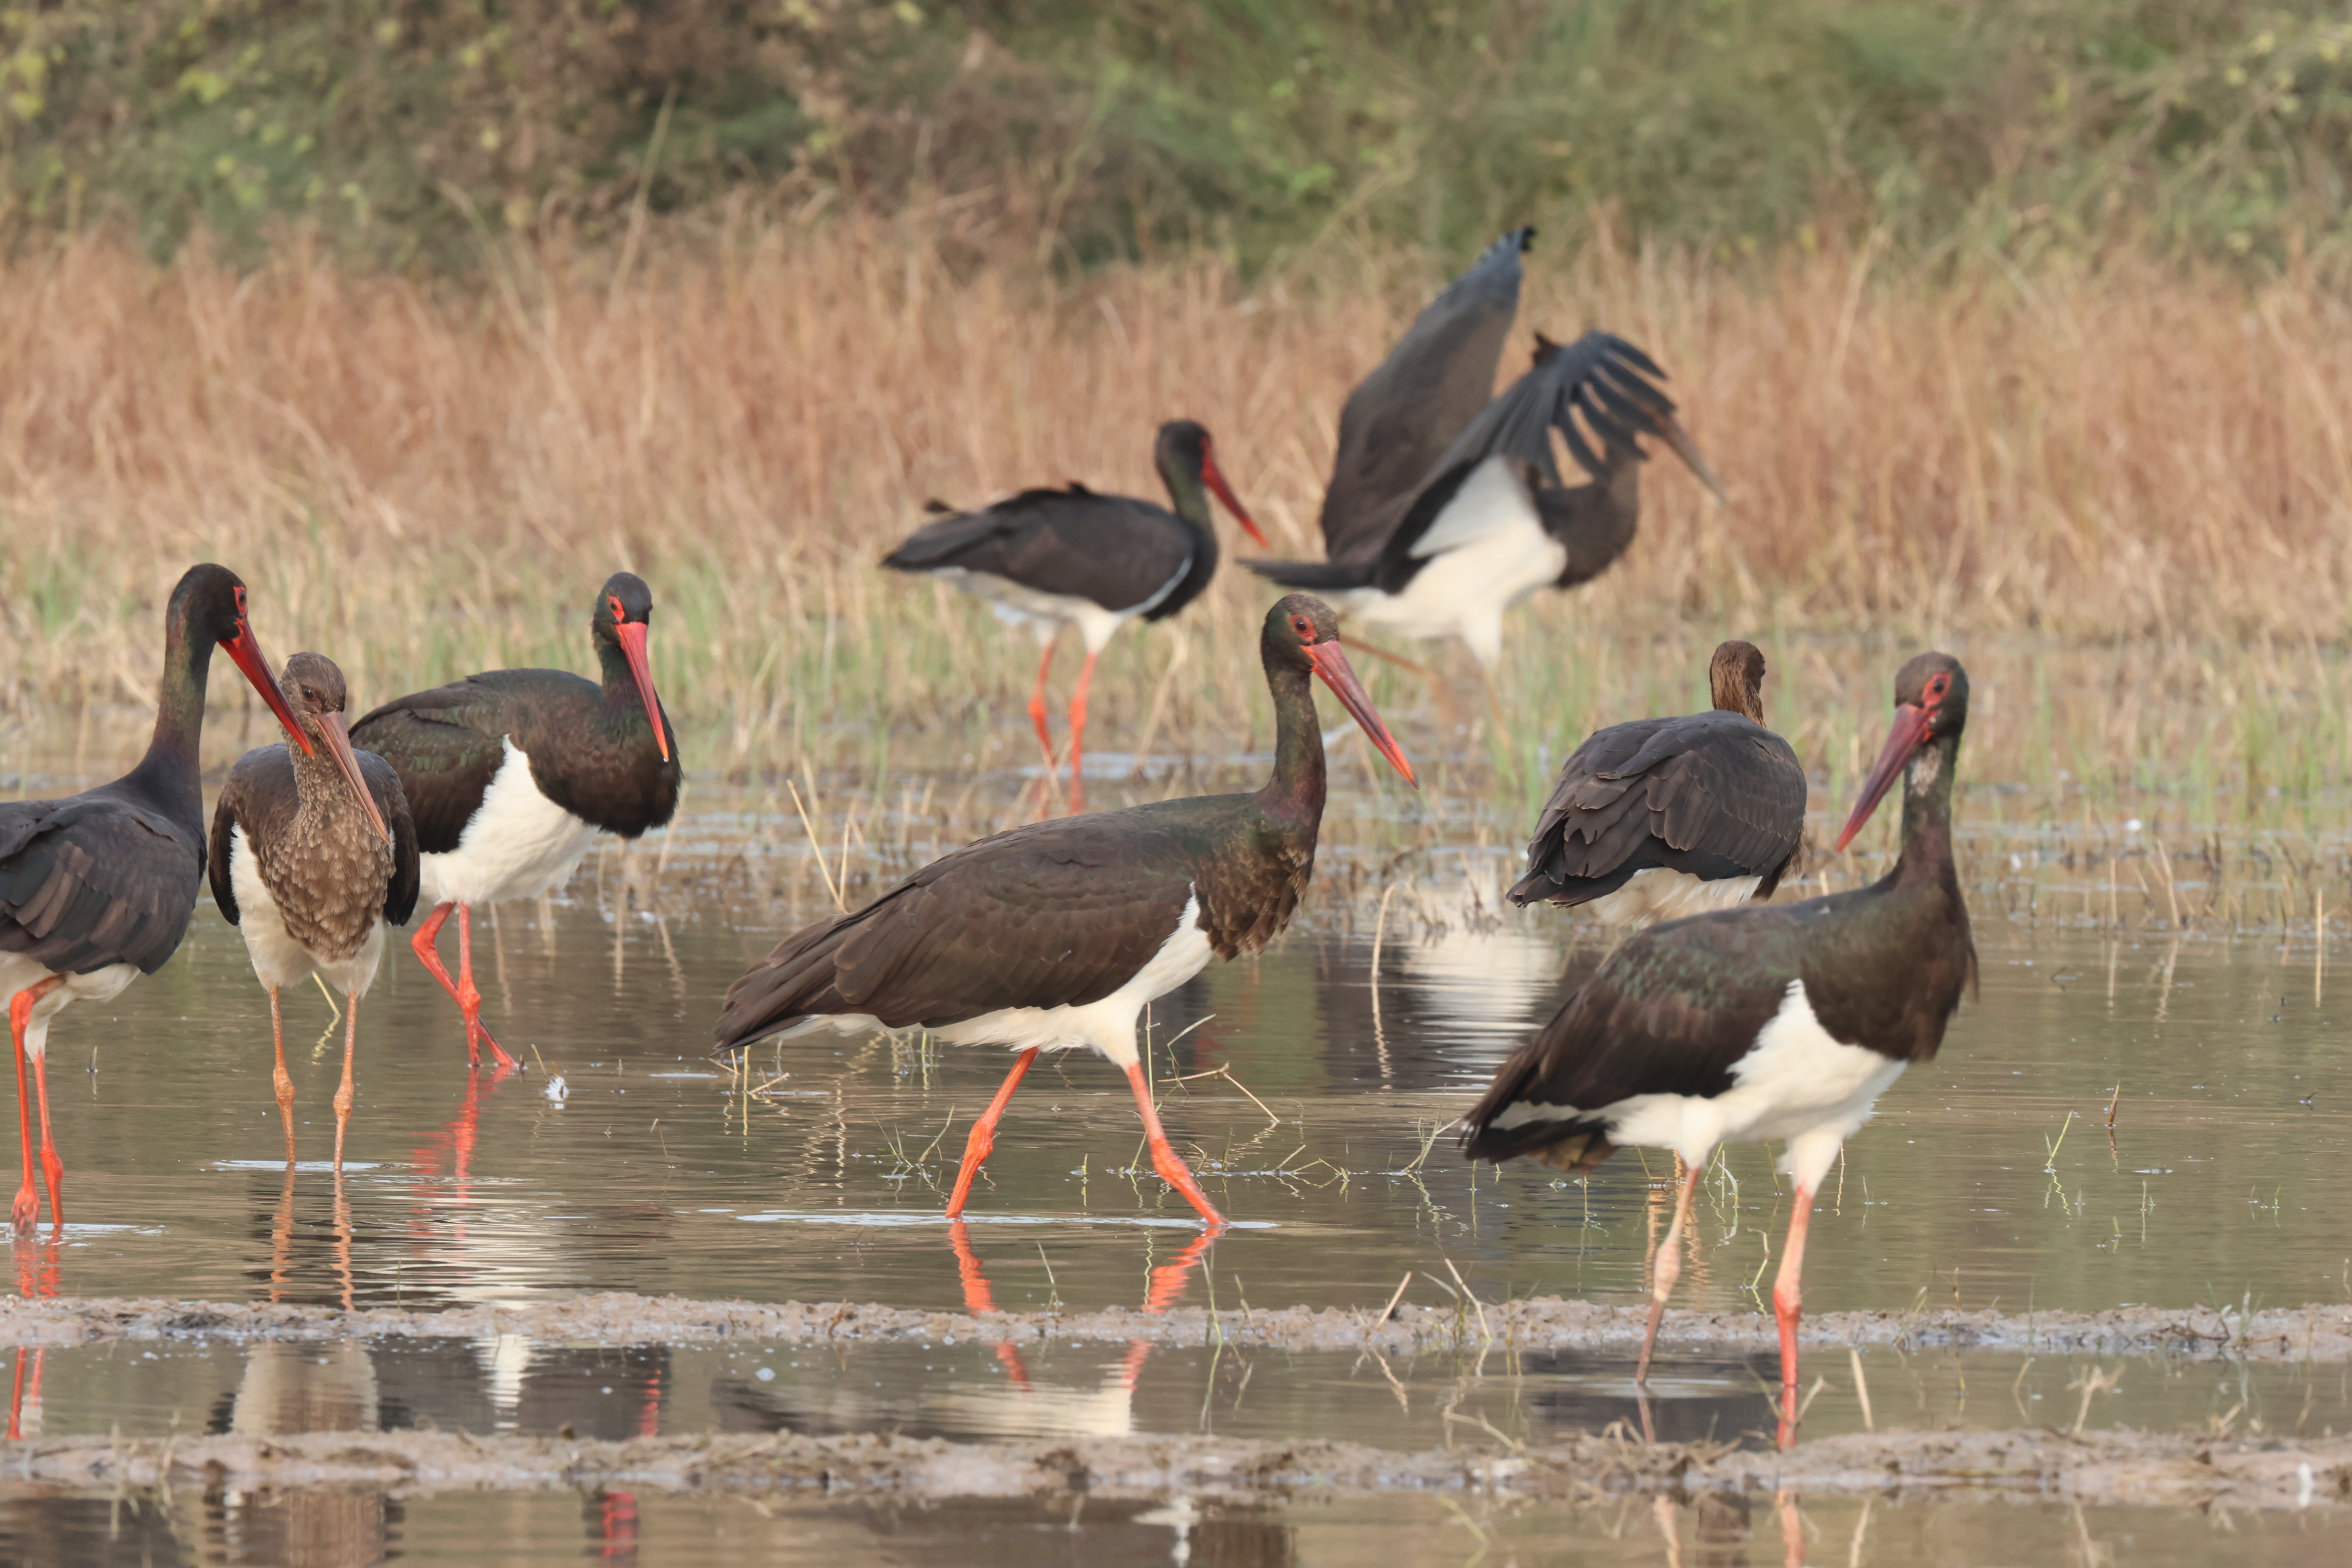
(168, 775)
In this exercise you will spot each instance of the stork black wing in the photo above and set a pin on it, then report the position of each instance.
(1712, 794)
(1599, 377)
(260, 797)
(1115, 551)
(392, 800)
(1401, 418)
(1058, 913)
(94, 880)
(1668, 1012)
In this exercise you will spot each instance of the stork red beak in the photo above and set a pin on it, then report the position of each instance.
(1332, 666)
(338, 746)
(1215, 481)
(1910, 729)
(633, 643)
(246, 648)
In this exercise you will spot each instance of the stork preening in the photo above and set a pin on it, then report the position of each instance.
(311, 853)
(511, 775)
(1783, 1021)
(1050, 559)
(1055, 935)
(1492, 521)
(97, 890)
(1660, 818)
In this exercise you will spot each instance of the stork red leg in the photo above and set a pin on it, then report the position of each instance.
(53, 1169)
(27, 1210)
(461, 989)
(469, 999)
(1079, 733)
(285, 1084)
(343, 1096)
(982, 1140)
(1788, 1304)
(1172, 1170)
(1667, 1269)
(1037, 704)
(425, 945)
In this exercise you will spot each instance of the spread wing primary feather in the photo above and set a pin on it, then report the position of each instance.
(1403, 416)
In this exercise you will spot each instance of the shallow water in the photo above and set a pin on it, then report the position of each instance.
(1991, 1179)
(658, 1173)
(1714, 1530)
(979, 1389)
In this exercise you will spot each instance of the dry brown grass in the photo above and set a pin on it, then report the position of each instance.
(2123, 495)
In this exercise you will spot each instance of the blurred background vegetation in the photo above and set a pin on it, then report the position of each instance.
(399, 131)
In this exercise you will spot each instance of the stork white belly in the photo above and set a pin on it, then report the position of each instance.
(1487, 552)
(1796, 1083)
(17, 973)
(1047, 614)
(517, 844)
(280, 960)
(1660, 894)
(1107, 1025)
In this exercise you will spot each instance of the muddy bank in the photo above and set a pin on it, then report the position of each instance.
(2104, 1466)
(2321, 1333)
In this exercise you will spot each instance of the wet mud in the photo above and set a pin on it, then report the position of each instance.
(2139, 1469)
(2313, 1333)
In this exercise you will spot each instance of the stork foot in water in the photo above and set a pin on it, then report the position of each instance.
(512, 773)
(461, 989)
(1060, 933)
(1781, 1022)
(27, 1212)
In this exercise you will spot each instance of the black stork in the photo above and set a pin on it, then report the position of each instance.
(1401, 418)
(511, 774)
(1491, 522)
(1055, 935)
(1661, 818)
(1055, 558)
(1783, 1021)
(311, 854)
(98, 889)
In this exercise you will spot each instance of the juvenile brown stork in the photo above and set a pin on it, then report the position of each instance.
(1401, 418)
(311, 853)
(511, 774)
(1057, 934)
(96, 889)
(1491, 521)
(1661, 818)
(1050, 559)
(1783, 1021)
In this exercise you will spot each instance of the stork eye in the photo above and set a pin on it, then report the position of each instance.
(619, 615)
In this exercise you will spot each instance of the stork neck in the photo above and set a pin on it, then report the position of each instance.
(168, 774)
(1295, 793)
(1927, 810)
(1187, 494)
